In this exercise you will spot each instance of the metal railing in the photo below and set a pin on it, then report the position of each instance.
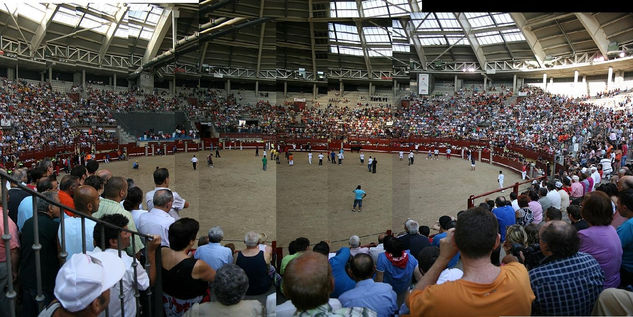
(514, 187)
(11, 292)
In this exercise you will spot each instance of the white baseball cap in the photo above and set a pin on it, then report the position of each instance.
(84, 277)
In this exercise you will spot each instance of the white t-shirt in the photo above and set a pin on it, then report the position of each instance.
(320, 156)
(362, 156)
(500, 178)
(194, 160)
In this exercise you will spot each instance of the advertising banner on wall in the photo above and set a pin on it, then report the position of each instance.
(423, 84)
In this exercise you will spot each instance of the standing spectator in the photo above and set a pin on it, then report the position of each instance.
(230, 287)
(535, 207)
(214, 253)
(161, 180)
(354, 246)
(446, 223)
(25, 209)
(133, 203)
(49, 261)
(16, 194)
(505, 216)
(67, 188)
(485, 289)
(14, 244)
(625, 232)
(380, 248)
(573, 212)
(157, 221)
(396, 267)
(553, 195)
(600, 239)
(255, 263)
(342, 281)
(565, 276)
(86, 201)
(185, 279)
(194, 162)
(413, 240)
(376, 296)
(359, 194)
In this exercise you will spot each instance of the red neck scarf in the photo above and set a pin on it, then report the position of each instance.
(400, 262)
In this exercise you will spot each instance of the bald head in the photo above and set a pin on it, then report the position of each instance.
(625, 182)
(308, 281)
(104, 174)
(362, 267)
(559, 239)
(86, 199)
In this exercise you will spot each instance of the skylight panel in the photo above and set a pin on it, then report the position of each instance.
(345, 34)
(350, 50)
(104, 8)
(399, 7)
(146, 34)
(13, 6)
(457, 40)
(503, 18)
(448, 21)
(513, 35)
(122, 31)
(432, 40)
(430, 24)
(134, 30)
(138, 11)
(398, 32)
(375, 8)
(66, 16)
(479, 20)
(153, 18)
(32, 11)
(379, 52)
(94, 23)
(334, 49)
(376, 35)
(488, 38)
(401, 47)
(346, 9)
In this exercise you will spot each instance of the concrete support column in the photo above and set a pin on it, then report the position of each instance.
(83, 79)
(153, 150)
(545, 82)
(551, 82)
(256, 88)
(315, 91)
(146, 150)
(586, 85)
(114, 80)
(514, 83)
(479, 155)
(110, 81)
(395, 88)
(610, 78)
(186, 146)
(227, 87)
(341, 88)
(285, 89)
(485, 83)
(575, 77)
(164, 149)
(17, 71)
(455, 88)
(42, 77)
(370, 88)
(173, 86)
(10, 73)
(174, 27)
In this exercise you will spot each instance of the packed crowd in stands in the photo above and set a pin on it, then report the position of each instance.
(572, 232)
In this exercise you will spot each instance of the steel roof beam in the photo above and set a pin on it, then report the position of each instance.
(594, 29)
(530, 37)
(109, 36)
(474, 43)
(163, 25)
(40, 33)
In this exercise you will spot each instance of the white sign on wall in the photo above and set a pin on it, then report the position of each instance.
(423, 84)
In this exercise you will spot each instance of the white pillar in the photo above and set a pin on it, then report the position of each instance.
(315, 91)
(114, 80)
(514, 83)
(341, 88)
(575, 77)
(83, 79)
(485, 83)
(610, 78)
(585, 84)
(455, 90)
(174, 28)
(545, 82)
(256, 88)
(285, 89)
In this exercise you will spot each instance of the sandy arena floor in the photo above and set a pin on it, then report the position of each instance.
(286, 202)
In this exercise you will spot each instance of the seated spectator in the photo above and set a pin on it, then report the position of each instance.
(601, 240)
(114, 241)
(185, 279)
(14, 244)
(566, 275)
(575, 217)
(86, 201)
(323, 248)
(396, 267)
(413, 240)
(625, 232)
(214, 253)
(308, 283)
(446, 223)
(535, 206)
(91, 167)
(379, 248)
(300, 245)
(133, 203)
(505, 216)
(354, 246)
(82, 286)
(553, 214)
(524, 213)
(376, 296)
(255, 263)
(67, 188)
(614, 302)
(80, 172)
(485, 289)
(229, 287)
(516, 238)
(158, 220)
(96, 182)
(427, 257)
(342, 281)
(47, 213)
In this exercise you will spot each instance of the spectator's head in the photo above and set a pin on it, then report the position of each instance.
(216, 234)
(597, 209)
(203, 240)
(115, 189)
(476, 233)
(83, 283)
(163, 199)
(516, 234)
(426, 257)
(92, 166)
(500, 201)
(393, 246)
(425, 230)
(625, 182)
(86, 199)
(35, 174)
(513, 195)
(322, 247)
(69, 184)
(110, 235)
(48, 208)
(532, 233)
(610, 189)
(559, 239)
(96, 182)
(523, 201)
(302, 244)
(104, 174)
(47, 167)
(446, 223)
(412, 226)
(81, 173)
(625, 203)
(361, 267)
(533, 195)
(45, 184)
(308, 281)
(542, 192)
(134, 198)
(251, 239)
(491, 204)
(292, 247)
(161, 177)
(230, 284)
(553, 213)
(183, 233)
(354, 241)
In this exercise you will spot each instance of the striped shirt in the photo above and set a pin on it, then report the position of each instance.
(111, 207)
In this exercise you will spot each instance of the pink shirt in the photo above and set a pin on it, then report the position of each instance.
(576, 189)
(14, 242)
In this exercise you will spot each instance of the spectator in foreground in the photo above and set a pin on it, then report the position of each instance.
(255, 263)
(14, 244)
(376, 296)
(229, 287)
(614, 302)
(82, 286)
(396, 267)
(486, 288)
(87, 201)
(413, 240)
(308, 283)
(625, 232)
(185, 279)
(600, 239)
(158, 220)
(565, 276)
(213, 253)
(354, 246)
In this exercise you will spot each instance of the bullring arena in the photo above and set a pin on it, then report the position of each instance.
(458, 111)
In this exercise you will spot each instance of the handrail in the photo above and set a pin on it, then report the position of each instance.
(515, 188)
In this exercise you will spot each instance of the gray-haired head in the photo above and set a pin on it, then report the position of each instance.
(42, 205)
(216, 234)
(412, 226)
(230, 284)
(251, 239)
(162, 197)
(354, 241)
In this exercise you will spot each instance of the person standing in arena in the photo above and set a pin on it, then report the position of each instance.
(369, 162)
(436, 152)
(373, 165)
(401, 156)
(359, 194)
(362, 158)
(310, 158)
(264, 162)
(472, 162)
(194, 162)
(448, 153)
(320, 158)
(500, 180)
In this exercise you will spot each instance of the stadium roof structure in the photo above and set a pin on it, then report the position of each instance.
(270, 39)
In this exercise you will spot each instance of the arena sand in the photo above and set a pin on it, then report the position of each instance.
(286, 202)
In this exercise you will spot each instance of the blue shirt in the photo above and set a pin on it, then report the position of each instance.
(378, 297)
(625, 232)
(506, 217)
(25, 211)
(436, 243)
(359, 194)
(214, 254)
(342, 281)
(567, 286)
(398, 278)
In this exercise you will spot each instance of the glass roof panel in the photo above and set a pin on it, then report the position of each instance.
(513, 35)
(344, 33)
(448, 21)
(343, 9)
(104, 8)
(122, 30)
(67, 16)
(138, 11)
(350, 50)
(457, 40)
(375, 8)
(32, 11)
(399, 7)
(95, 23)
(146, 34)
(376, 35)
(134, 30)
(479, 20)
(398, 32)
(334, 49)
(153, 18)
(429, 24)
(432, 40)
(502, 18)
(380, 52)
(12, 6)
(401, 47)
(488, 38)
